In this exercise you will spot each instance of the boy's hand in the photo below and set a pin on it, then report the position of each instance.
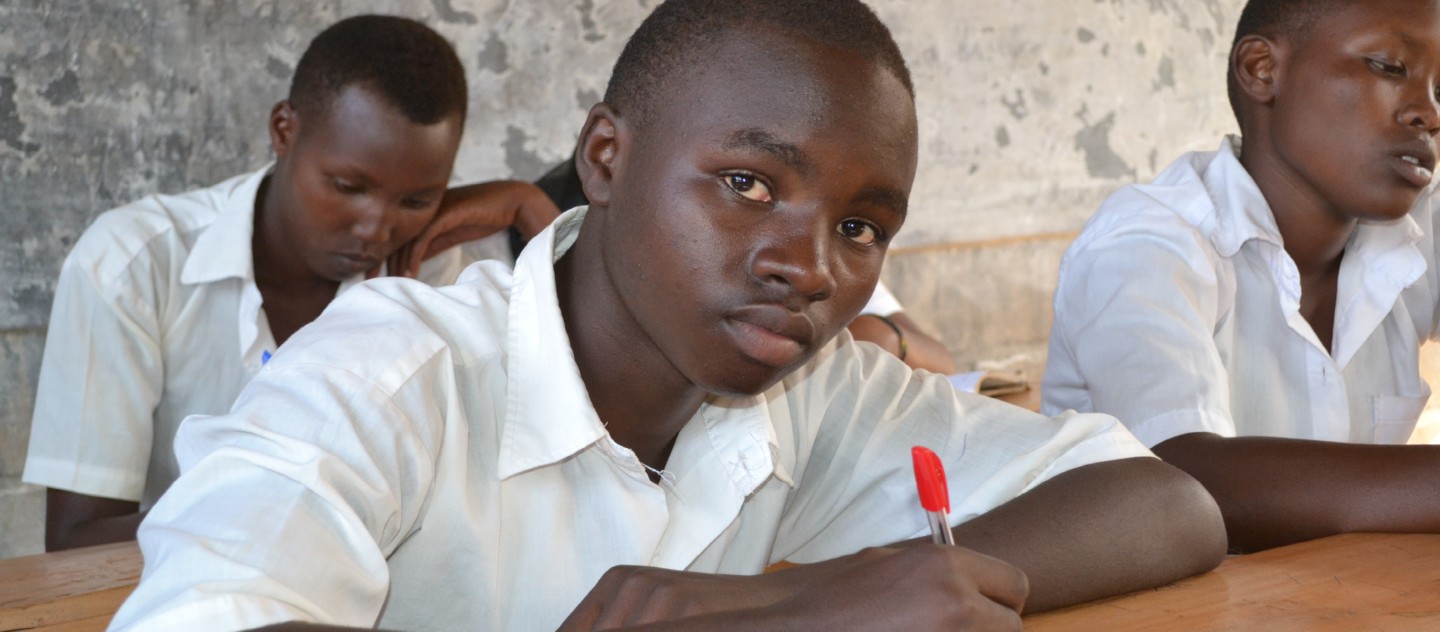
(472, 212)
(909, 587)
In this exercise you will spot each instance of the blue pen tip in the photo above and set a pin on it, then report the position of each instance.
(264, 357)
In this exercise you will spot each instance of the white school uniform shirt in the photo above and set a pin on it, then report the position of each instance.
(156, 316)
(1178, 311)
(428, 459)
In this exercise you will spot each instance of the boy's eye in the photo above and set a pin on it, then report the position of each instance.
(345, 186)
(748, 186)
(1396, 69)
(416, 204)
(860, 231)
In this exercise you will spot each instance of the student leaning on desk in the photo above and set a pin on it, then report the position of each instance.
(167, 306)
(660, 399)
(1255, 314)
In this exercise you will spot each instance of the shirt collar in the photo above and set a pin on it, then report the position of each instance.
(222, 250)
(548, 415)
(1241, 212)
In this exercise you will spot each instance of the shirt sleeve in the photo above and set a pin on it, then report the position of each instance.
(313, 463)
(1136, 315)
(854, 482)
(101, 377)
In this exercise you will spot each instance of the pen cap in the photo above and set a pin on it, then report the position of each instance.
(930, 480)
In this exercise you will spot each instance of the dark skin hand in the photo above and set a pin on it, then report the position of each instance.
(473, 212)
(74, 520)
(1311, 489)
(1127, 525)
(922, 351)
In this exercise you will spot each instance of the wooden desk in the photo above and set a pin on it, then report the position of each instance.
(1387, 583)
(68, 591)
(1349, 582)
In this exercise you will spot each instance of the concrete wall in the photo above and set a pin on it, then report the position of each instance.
(1030, 112)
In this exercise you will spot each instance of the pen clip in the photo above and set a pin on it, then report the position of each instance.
(930, 480)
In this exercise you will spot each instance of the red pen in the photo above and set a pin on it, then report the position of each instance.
(934, 493)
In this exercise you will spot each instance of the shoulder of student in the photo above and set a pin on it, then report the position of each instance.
(163, 226)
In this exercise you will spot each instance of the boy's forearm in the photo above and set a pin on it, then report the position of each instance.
(1275, 491)
(1103, 529)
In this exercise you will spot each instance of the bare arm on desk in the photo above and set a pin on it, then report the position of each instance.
(74, 520)
(1275, 491)
(1095, 531)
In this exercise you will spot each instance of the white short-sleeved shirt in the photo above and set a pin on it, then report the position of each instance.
(428, 459)
(156, 316)
(882, 302)
(1178, 311)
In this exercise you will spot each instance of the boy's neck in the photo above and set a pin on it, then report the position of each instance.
(640, 397)
(1313, 234)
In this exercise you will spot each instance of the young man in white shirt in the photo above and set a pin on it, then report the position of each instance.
(1255, 313)
(660, 400)
(167, 306)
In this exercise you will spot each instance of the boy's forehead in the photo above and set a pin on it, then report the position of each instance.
(754, 74)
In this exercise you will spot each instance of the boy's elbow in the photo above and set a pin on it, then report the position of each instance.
(1190, 524)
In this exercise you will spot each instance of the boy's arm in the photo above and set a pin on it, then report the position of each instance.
(1094, 531)
(921, 350)
(1102, 529)
(473, 212)
(74, 520)
(1275, 491)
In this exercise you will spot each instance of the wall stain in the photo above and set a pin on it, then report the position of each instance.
(1017, 107)
(1084, 35)
(65, 89)
(450, 15)
(1002, 136)
(495, 55)
(12, 129)
(586, 97)
(587, 21)
(524, 163)
(1165, 76)
(1100, 160)
(277, 68)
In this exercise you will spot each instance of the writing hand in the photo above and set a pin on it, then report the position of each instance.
(911, 587)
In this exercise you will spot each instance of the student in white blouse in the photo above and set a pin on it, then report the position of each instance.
(166, 307)
(654, 405)
(1257, 311)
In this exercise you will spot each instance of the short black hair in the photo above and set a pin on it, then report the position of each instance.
(1272, 19)
(402, 61)
(670, 38)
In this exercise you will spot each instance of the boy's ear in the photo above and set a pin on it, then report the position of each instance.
(284, 127)
(1254, 67)
(597, 155)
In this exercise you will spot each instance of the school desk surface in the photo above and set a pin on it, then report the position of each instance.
(1362, 581)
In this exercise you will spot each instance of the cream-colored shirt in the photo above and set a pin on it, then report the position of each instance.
(1178, 311)
(428, 459)
(156, 317)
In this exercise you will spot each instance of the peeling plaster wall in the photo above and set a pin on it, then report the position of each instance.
(1031, 111)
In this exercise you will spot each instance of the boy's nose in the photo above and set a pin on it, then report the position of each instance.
(1424, 114)
(373, 226)
(799, 260)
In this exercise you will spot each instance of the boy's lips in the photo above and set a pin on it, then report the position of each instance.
(1416, 163)
(771, 335)
(356, 263)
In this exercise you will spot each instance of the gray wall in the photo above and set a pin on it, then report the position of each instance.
(1030, 112)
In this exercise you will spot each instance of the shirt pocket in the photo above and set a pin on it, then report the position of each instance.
(1395, 417)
